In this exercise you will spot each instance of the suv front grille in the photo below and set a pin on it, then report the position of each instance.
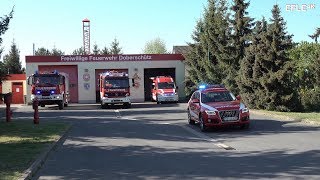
(233, 113)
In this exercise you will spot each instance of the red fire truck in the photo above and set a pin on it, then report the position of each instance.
(114, 88)
(164, 89)
(50, 88)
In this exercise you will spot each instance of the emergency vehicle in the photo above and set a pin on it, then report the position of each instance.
(114, 89)
(50, 88)
(164, 89)
(215, 106)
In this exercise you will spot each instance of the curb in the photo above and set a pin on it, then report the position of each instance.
(37, 164)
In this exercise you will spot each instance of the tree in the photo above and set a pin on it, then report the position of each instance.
(56, 52)
(12, 60)
(195, 71)
(275, 68)
(306, 57)
(115, 48)
(209, 51)
(78, 51)
(155, 46)
(316, 35)
(96, 50)
(105, 51)
(250, 71)
(42, 52)
(241, 28)
(4, 25)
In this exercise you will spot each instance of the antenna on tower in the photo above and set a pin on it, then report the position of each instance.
(86, 36)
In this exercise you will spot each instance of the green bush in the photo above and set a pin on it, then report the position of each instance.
(310, 99)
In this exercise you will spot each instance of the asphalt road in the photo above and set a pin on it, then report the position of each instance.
(151, 141)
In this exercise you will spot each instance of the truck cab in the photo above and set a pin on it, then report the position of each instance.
(164, 89)
(49, 88)
(114, 89)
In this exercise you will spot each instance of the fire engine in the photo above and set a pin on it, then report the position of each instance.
(164, 89)
(114, 89)
(50, 88)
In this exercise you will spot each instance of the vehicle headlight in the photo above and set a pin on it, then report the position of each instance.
(244, 110)
(210, 112)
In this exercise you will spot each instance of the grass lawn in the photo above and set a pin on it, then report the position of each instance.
(21, 142)
(313, 117)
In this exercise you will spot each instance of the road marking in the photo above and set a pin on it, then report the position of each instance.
(117, 113)
(207, 138)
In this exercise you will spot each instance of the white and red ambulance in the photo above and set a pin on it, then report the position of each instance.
(164, 89)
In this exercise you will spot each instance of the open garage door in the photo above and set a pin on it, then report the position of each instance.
(153, 72)
(72, 71)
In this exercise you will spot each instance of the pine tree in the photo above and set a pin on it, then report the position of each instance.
(316, 35)
(115, 48)
(4, 26)
(196, 72)
(249, 73)
(214, 40)
(241, 28)
(105, 51)
(79, 51)
(210, 46)
(56, 52)
(96, 50)
(276, 68)
(42, 52)
(12, 60)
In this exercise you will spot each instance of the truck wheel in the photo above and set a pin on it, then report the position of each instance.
(60, 105)
(126, 105)
(103, 106)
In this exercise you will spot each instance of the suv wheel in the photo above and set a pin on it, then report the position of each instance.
(203, 127)
(190, 121)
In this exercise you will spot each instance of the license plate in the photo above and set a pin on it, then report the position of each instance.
(116, 100)
(230, 118)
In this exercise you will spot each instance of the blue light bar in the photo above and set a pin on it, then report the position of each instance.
(202, 86)
(38, 92)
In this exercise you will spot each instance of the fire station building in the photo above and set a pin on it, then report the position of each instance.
(84, 70)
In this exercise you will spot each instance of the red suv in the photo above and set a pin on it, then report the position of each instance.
(215, 106)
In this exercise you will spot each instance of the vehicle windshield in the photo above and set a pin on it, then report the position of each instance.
(217, 97)
(116, 83)
(166, 85)
(52, 80)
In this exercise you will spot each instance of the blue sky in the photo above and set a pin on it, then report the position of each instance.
(58, 23)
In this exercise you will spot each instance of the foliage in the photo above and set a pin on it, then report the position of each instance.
(250, 72)
(42, 52)
(115, 48)
(56, 52)
(241, 25)
(79, 51)
(276, 68)
(306, 57)
(12, 61)
(105, 51)
(4, 26)
(316, 35)
(155, 46)
(209, 51)
(46, 52)
(96, 50)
